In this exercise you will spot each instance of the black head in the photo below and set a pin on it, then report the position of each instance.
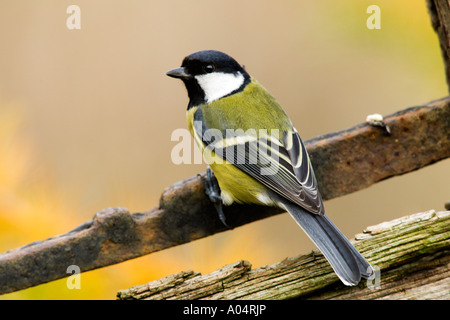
(210, 75)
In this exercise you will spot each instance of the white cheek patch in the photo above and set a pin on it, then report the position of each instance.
(216, 85)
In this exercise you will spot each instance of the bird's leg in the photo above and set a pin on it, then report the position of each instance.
(212, 190)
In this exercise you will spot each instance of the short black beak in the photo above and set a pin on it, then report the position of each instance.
(179, 73)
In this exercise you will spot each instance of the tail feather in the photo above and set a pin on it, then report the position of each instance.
(343, 257)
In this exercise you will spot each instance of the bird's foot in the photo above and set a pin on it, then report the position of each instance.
(212, 190)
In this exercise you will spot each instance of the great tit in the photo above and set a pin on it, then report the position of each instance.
(257, 155)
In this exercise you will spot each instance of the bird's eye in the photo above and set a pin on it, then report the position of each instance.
(209, 68)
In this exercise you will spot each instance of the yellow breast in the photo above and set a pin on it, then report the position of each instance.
(235, 185)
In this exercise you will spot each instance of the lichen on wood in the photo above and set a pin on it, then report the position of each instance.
(412, 255)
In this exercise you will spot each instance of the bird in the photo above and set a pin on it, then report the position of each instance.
(255, 154)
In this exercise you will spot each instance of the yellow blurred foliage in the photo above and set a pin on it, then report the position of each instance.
(29, 204)
(32, 208)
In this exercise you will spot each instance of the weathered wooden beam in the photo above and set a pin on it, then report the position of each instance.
(344, 162)
(412, 256)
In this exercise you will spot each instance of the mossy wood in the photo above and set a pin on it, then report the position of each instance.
(412, 254)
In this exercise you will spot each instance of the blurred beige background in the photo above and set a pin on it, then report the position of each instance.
(86, 115)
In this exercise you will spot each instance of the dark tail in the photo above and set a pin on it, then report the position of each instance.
(346, 261)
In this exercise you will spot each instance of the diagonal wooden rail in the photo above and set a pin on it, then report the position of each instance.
(344, 162)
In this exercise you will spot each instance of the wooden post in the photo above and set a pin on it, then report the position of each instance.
(439, 11)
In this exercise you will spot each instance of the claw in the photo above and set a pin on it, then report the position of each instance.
(212, 190)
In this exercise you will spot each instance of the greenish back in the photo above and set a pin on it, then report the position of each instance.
(252, 108)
